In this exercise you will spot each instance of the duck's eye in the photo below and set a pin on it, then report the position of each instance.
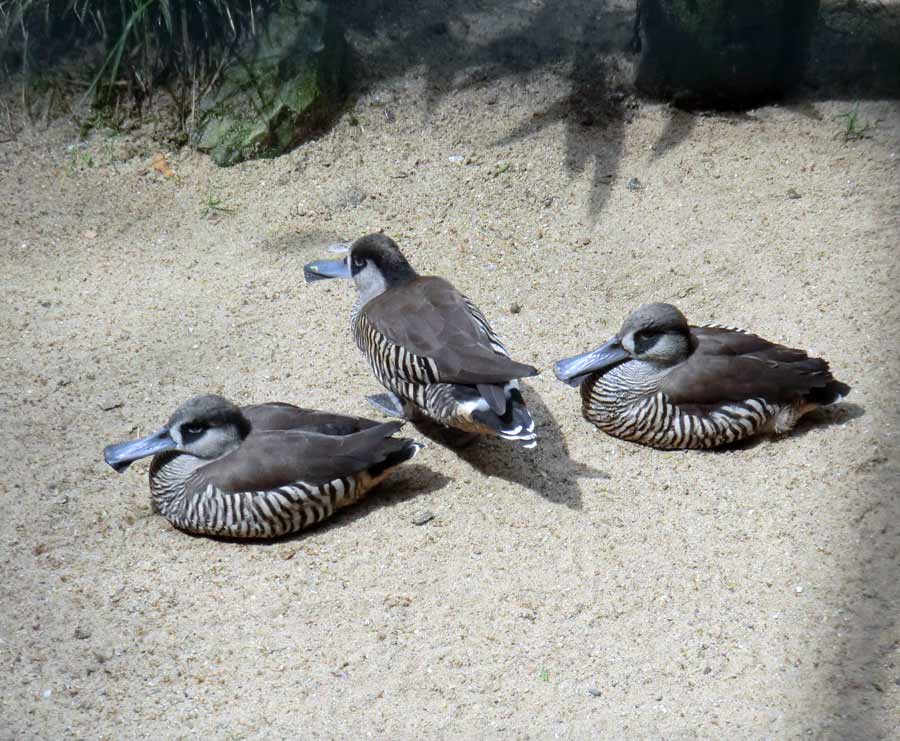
(645, 334)
(359, 262)
(195, 429)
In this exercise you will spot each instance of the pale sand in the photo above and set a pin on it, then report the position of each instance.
(747, 593)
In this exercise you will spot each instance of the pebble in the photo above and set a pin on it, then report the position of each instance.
(103, 654)
(108, 403)
(420, 518)
(455, 158)
(793, 194)
(82, 634)
(90, 234)
(515, 308)
(634, 184)
(594, 692)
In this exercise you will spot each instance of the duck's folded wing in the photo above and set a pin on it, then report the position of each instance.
(283, 416)
(270, 459)
(731, 366)
(432, 321)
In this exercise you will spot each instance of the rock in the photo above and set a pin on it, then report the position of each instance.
(515, 308)
(594, 692)
(722, 53)
(420, 518)
(634, 184)
(102, 655)
(793, 194)
(109, 402)
(82, 634)
(278, 92)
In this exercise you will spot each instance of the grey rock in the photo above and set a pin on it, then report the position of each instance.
(82, 634)
(634, 184)
(102, 654)
(109, 402)
(594, 692)
(420, 518)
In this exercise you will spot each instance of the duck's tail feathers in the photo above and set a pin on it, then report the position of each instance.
(831, 393)
(402, 450)
(514, 424)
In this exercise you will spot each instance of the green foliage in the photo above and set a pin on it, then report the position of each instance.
(143, 44)
(853, 126)
(214, 206)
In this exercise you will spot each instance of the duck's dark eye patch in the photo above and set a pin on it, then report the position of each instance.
(195, 428)
(645, 334)
(644, 339)
(359, 262)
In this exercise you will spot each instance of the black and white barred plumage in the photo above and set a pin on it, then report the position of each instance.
(621, 406)
(430, 346)
(261, 471)
(267, 513)
(663, 383)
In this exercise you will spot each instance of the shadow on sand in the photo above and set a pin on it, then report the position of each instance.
(547, 470)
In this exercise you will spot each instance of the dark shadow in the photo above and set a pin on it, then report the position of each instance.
(580, 41)
(863, 666)
(678, 129)
(301, 243)
(546, 470)
(835, 414)
(407, 482)
(855, 51)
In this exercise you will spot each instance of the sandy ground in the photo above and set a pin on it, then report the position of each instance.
(590, 588)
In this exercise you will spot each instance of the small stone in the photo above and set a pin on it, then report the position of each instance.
(708, 670)
(90, 234)
(799, 590)
(82, 634)
(515, 308)
(420, 518)
(103, 654)
(594, 692)
(634, 184)
(108, 403)
(46, 304)
(46, 694)
(793, 194)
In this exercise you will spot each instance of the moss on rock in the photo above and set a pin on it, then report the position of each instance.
(280, 91)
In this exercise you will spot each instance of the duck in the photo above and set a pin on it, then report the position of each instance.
(429, 345)
(664, 383)
(261, 471)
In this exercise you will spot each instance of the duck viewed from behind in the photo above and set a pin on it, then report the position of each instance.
(261, 471)
(429, 345)
(664, 383)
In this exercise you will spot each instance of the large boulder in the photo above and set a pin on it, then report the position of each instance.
(722, 53)
(280, 90)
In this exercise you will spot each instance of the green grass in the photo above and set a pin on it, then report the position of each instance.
(214, 206)
(853, 127)
(130, 48)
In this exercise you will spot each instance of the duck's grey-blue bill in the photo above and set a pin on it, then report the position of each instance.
(325, 269)
(575, 369)
(124, 454)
